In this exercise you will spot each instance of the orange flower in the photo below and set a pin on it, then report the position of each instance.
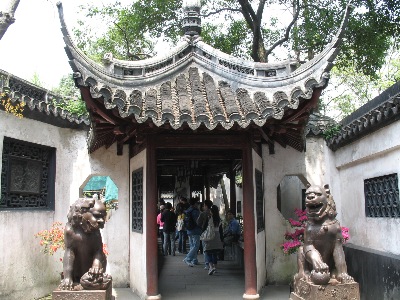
(105, 251)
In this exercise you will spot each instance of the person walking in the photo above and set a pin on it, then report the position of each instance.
(169, 219)
(202, 221)
(215, 245)
(161, 227)
(193, 232)
(180, 228)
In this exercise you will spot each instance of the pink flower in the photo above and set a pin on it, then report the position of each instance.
(295, 223)
(345, 234)
(303, 218)
(295, 239)
(290, 246)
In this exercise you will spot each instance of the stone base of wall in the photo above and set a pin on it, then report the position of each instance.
(341, 291)
(378, 273)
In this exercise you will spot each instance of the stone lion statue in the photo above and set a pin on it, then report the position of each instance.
(84, 261)
(321, 258)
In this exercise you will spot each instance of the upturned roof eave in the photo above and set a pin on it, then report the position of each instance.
(199, 85)
(198, 52)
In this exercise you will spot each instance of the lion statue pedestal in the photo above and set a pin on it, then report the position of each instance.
(333, 290)
(322, 270)
(84, 294)
(84, 261)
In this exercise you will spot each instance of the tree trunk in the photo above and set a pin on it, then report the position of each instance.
(7, 17)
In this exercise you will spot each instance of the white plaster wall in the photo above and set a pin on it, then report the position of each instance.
(138, 256)
(375, 155)
(27, 273)
(106, 162)
(286, 161)
(260, 236)
(291, 196)
(239, 199)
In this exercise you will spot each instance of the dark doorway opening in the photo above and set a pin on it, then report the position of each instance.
(198, 173)
(208, 174)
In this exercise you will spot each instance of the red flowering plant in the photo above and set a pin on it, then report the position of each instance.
(52, 239)
(296, 239)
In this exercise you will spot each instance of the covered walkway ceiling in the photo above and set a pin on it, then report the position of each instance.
(196, 88)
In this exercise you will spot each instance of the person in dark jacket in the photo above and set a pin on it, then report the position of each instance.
(193, 233)
(169, 219)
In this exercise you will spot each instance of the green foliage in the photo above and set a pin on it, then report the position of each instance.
(36, 80)
(239, 180)
(315, 27)
(228, 40)
(331, 131)
(349, 89)
(71, 101)
(66, 87)
(131, 31)
(74, 106)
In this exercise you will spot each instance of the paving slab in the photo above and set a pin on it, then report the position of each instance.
(178, 281)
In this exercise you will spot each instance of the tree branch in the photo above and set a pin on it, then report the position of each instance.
(254, 22)
(287, 32)
(258, 50)
(247, 13)
(128, 53)
(7, 17)
(221, 10)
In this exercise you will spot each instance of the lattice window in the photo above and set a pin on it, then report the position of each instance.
(27, 175)
(137, 200)
(259, 200)
(382, 197)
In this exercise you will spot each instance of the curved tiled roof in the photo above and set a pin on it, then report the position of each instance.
(197, 84)
(39, 102)
(375, 114)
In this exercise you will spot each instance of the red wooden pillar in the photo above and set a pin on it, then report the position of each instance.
(151, 225)
(250, 263)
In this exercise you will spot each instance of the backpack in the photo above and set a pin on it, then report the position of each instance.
(190, 223)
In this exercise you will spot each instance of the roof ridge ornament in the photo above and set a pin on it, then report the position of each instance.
(191, 20)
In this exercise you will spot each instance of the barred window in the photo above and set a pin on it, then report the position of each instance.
(27, 175)
(137, 200)
(259, 200)
(382, 197)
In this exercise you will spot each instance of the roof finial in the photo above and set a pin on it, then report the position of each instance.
(191, 19)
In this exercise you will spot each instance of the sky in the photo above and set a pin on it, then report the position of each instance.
(34, 43)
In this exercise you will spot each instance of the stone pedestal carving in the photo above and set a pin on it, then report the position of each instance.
(333, 291)
(84, 294)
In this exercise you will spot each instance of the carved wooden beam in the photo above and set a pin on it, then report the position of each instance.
(95, 107)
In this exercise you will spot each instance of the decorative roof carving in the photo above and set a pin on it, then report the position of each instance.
(318, 124)
(375, 114)
(191, 21)
(40, 100)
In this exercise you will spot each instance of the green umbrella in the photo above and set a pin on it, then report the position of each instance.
(102, 185)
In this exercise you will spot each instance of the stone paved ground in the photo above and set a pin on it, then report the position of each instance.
(177, 281)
